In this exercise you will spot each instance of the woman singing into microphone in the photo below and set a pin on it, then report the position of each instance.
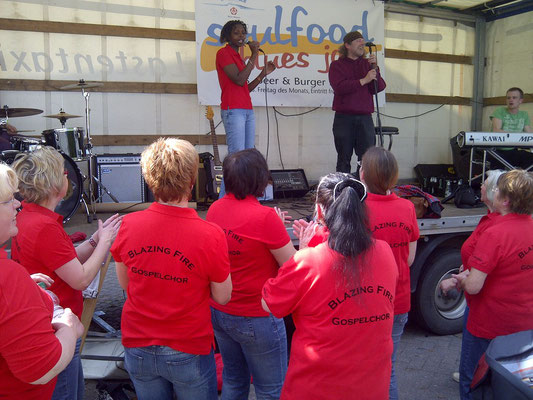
(233, 73)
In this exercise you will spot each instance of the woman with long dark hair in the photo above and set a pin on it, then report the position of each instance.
(233, 74)
(341, 296)
(251, 341)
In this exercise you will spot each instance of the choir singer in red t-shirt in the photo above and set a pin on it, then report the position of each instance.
(171, 263)
(251, 340)
(233, 74)
(43, 246)
(341, 295)
(499, 272)
(34, 346)
(393, 220)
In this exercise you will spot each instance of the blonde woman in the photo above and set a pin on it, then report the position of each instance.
(33, 348)
(43, 246)
(171, 262)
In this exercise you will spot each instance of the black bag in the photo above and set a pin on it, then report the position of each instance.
(493, 378)
(465, 197)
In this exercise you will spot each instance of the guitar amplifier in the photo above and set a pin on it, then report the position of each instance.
(121, 176)
(289, 183)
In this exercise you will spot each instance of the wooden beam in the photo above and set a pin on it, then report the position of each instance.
(27, 25)
(190, 88)
(500, 100)
(108, 87)
(424, 56)
(427, 99)
(145, 140)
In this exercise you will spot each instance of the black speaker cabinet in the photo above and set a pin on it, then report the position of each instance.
(461, 160)
(121, 175)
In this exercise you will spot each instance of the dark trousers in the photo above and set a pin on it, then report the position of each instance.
(352, 132)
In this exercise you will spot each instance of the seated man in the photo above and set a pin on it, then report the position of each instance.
(511, 119)
(6, 131)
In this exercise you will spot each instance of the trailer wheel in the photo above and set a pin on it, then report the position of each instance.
(440, 314)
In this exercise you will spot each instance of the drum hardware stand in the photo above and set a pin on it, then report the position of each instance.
(90, 198)
(378, 114)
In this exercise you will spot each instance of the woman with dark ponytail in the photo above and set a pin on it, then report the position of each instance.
(341, 296)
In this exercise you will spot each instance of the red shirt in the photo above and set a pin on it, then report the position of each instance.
(393, 220)
(342, 343)
(505, 303)
(28, 345)
(42, 245)
(467, 249)
(349, 96)
(233, 95)
(252, 230)
(172, 256)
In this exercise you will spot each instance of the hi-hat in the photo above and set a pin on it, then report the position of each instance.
(18, 112)
(82, 85)
(62, 115)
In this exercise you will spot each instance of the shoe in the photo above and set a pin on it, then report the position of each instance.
(455, 377)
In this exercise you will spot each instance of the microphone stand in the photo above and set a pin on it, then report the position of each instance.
(378, 116)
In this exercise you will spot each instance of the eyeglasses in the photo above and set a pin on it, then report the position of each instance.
(9, 202)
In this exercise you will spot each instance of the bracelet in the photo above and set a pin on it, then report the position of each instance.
(92, 242)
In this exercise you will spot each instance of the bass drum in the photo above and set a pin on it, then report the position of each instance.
(70, 203)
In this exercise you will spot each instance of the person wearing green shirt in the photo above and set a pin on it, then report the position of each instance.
(511, 119)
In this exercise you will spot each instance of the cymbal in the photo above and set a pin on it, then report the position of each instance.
(18, 112)
(82, 85)
(62, 115)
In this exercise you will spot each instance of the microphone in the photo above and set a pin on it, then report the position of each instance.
(369, 45)
(260, 49)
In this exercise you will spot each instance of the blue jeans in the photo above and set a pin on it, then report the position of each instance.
(255, 346)
(159, 372)
(239, 125)
(397, 330)
(472, 348)
(70, 384)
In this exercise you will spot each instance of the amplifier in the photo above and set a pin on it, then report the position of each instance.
(289, 183)
(121, 175)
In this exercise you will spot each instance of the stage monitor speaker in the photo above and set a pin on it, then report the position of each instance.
(289, 183)
(121, 175)
(461, 160)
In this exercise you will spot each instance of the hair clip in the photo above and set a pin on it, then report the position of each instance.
(352, 182)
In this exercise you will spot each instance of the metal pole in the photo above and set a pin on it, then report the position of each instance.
(479, 75)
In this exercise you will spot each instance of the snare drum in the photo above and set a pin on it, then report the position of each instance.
(70, 141)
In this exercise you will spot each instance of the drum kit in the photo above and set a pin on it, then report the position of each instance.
(74, 144)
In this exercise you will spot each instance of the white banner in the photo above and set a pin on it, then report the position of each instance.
(300, 37)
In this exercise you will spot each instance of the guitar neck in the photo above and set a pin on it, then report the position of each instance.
(215, 144)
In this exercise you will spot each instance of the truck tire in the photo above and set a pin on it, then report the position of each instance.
(442, 315)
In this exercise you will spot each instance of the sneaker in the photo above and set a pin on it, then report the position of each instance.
(455, 377)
